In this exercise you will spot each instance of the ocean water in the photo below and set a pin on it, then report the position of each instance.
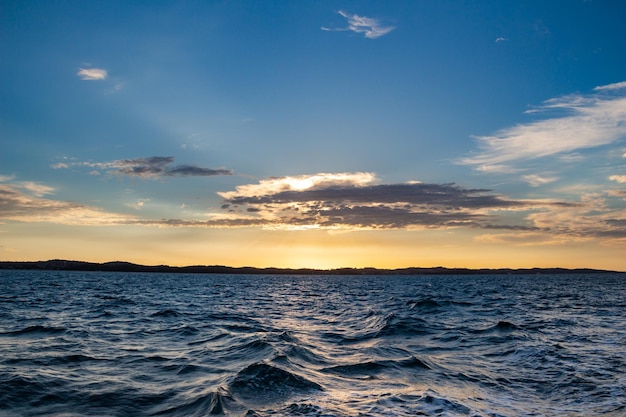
(132, 344)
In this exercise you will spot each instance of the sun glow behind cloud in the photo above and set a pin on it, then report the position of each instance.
(300, 183)
(357, 201)
(349, 202)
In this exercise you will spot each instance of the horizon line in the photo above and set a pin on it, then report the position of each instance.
(125, 266)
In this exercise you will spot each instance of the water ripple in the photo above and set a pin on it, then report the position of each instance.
(117, 344)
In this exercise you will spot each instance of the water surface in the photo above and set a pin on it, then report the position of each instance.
(122, 344)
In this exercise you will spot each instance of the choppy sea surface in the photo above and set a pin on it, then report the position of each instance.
(139, 344)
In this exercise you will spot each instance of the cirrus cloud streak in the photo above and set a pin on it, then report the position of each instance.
(581, 122)
(370, 27)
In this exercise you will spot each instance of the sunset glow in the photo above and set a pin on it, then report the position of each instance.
(318, 135)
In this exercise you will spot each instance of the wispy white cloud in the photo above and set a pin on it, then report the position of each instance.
(92, 74)
(614, 86)
(498, 40)
(535, 180)
(33, 188)
(618, 178)
(138, 204)
(593, 218)
(571, 157)
(589, 121)
(522, 238)
(22, 202)
(371, 28)
(116, 89)
(38, 190)
(276, 185)
(497, 168)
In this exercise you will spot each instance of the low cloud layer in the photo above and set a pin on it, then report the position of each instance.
(371, 28)
(150, 167)
(350, 201)
(26, 204)
(356, 200)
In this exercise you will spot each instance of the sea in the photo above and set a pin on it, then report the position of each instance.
(150, 344)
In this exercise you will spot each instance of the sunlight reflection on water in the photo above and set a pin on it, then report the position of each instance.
(145, 344)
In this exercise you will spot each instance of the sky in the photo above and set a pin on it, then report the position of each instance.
(320, 134)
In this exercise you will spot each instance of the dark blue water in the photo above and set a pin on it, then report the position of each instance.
(121, 344)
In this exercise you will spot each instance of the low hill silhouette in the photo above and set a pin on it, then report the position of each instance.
(121, 266)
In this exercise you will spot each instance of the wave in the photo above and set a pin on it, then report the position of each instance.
(115, 300)
(372, 368)
(73, 359)
(247, 350)
(322, 346)
(293, 409)
(168, 312)
(302, 354)
(431, 304)
(504, 326)
(214, 403)
(405, 326)
(261, 382)
(36, 331)
(185, 330)
(390, 325)
(426, 303)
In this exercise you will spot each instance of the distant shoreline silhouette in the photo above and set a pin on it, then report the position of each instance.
(120, 266)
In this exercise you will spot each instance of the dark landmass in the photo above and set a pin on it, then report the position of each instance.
(63, 265)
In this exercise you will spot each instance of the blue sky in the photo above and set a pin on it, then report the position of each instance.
(319, 134)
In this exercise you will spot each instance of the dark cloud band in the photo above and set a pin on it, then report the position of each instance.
(382, 206)
(153, 166)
